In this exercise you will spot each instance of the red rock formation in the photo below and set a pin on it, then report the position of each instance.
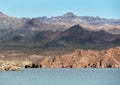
(83, 59)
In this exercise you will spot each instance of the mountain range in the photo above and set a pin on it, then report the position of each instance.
(66, 30)
(87, 22)
(59, 23)
(67, 41)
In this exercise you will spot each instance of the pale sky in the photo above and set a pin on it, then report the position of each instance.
(37, 8)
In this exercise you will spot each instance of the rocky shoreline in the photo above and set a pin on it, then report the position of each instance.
(81, 59)
(13, 65)
(78, 59)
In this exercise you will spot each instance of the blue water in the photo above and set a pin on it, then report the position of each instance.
(61, 77)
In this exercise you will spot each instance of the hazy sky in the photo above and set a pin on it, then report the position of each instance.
(36, 8)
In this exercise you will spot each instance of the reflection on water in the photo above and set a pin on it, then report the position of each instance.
(61, 77)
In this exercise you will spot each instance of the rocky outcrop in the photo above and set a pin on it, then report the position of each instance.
(109, 58)
(83, 59)
(6, 65)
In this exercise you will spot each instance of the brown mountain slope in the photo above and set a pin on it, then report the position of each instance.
(83, 59)
(78, 36)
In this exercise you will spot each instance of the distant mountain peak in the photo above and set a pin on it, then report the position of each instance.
(2, 15)
(77, 27)
(69, 14)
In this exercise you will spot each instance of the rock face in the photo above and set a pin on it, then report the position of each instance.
(83, 59)
(109, 58)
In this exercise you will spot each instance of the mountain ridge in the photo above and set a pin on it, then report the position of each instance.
(77, 35)
(60, 23)
(48, 42)
(91, 23)
(57, 31)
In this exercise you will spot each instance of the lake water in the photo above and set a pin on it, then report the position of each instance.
(61, 77)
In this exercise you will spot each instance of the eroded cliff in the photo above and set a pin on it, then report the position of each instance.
(83, 59)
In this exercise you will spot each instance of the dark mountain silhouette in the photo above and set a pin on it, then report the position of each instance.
(77, 35)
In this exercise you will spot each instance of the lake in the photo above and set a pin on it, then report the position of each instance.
(61, 76)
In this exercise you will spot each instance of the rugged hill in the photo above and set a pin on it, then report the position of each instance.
(88, 22)
(82, 59)
(75, 36)
(110, 58)
(9, 23)
(59, 23)
(34, 24)
(79, 36)
(22, 30)
(78, 33)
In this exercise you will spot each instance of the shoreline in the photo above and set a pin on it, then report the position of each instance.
(109, 58)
